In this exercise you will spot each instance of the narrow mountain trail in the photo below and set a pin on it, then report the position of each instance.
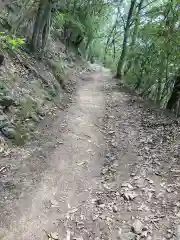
(108, 169)
(73, 168)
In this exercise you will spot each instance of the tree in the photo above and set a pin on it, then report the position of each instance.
(173, 102)
(139, 39)
(42, 25)
(135, 31)
(122, 60)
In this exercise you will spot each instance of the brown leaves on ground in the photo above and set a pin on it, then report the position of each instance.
(143, 150)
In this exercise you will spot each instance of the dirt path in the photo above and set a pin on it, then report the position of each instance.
(60, 189)
(72, 170)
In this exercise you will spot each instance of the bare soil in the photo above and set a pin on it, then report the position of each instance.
(104, 168)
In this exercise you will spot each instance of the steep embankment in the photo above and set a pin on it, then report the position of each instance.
(28, 89)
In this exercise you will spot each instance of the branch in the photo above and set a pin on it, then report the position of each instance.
(124, 25)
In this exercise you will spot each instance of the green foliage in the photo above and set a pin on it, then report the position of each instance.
(155, 57)
(21, 135)
(27, 107)
(147, 40)
(3, 88)
(59, 71)
(11, 42)
(61, 18)
(84, 19)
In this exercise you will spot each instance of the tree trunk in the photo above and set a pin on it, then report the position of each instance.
(175, 95)
(122, 60)
(108, 40)
(135, 32)
(41, 26)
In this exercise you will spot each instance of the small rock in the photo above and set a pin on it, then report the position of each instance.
(169, 190)
(6, 101)
(54, 202)
(149, 197)
(99, 202)
(132, 174)
(3, 120)
(34, 118)
(145, 228)
(169, 236)
(144, 234)
(149, 237)
(3, 117)
(150, 181)
(111, 132)
(127, 236)
(94, 217)
(8, 132)
(102, 206)
(31, 126)
(128, 185)
(104, 171)
(41, 113)
(115, 209)
(80, 225)
(137, 227)
(103, 217)
(158, 173)
(139, 182)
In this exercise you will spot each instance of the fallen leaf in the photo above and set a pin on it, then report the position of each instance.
(115, 209)
(2, 169)
(128, 185)
(73, 210)
(54, 235)
(81, 163)
(129, 195)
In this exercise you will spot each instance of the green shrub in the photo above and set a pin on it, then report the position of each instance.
(21, 135)
(27, 107)
(12, 42)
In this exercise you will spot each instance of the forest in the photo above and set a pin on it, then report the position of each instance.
(90, 119)
(139, 40)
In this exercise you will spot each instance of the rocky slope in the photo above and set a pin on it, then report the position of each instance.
(29, 88)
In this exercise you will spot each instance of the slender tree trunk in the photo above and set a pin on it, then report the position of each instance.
(108, 40)
(41, 26)
(135, 32)
(122, 60)
(175, 95)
